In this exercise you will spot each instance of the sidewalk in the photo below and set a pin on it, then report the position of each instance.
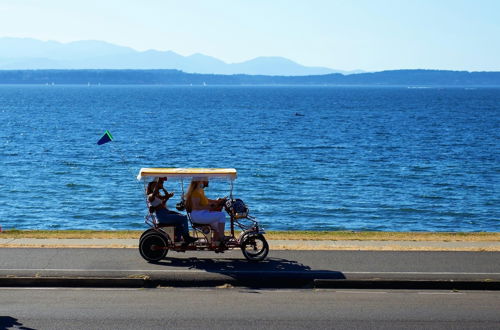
(366, 245)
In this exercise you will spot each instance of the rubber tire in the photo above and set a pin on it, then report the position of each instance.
(147, 232)
(258, 256)
(146, 244)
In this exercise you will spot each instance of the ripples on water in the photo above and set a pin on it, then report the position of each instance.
(393, 159)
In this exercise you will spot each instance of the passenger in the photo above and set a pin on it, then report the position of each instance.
(206, 211)
(158, 204)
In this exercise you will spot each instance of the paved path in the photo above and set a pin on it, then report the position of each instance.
(274, 244)
(282, 268)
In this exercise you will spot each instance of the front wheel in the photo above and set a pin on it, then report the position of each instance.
(153, 247)
(255, 247)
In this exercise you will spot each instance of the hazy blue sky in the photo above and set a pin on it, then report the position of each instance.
(343, 34)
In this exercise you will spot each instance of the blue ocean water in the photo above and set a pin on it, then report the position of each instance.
(309, 158)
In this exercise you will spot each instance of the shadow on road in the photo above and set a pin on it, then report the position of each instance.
(9, 322)
(272, 271)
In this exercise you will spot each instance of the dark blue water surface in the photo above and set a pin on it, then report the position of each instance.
(396, 159)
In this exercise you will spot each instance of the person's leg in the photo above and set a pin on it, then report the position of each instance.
(179, 220)
(221, 223)
(181, 224)
(210, 218)
(221, 226)
(183, 227)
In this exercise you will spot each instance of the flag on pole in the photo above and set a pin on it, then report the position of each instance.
(107, 137)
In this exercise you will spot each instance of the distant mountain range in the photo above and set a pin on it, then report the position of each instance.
(410, 78)
(25, 53)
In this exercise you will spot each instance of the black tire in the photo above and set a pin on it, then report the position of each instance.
(254, 247)
(149, 231)
(153, 247)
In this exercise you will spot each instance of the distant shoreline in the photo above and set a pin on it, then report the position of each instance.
(406, 78)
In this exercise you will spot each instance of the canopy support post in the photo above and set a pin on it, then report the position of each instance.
(182, 188)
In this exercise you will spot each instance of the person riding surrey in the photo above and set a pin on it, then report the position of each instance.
(158, 205)
(206, 211)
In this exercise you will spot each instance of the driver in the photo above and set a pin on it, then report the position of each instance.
(158, 204)
(206, 211)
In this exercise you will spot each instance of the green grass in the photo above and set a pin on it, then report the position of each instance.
(272, 235)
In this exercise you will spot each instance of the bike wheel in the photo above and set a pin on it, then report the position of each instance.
(255, 247)
(153, 247)
(147, 232)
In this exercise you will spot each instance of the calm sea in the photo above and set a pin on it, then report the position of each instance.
(309, 158)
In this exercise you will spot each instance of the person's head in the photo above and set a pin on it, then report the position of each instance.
(195, 184)
(161, 181)
(202, 184)
(155, 185)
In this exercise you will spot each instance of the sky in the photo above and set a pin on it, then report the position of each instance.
(370, 35)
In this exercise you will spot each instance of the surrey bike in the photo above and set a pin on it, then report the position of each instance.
(156, 241)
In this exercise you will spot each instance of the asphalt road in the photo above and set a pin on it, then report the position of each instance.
(233, 308)
(281, 266)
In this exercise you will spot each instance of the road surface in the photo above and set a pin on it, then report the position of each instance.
(281, 267)
(238, 308)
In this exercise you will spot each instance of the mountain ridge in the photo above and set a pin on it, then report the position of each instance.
(30, 54)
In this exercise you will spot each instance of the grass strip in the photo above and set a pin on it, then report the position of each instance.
(274, 235)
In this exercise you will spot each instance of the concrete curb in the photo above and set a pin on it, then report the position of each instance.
(71, 282)
(220, 280)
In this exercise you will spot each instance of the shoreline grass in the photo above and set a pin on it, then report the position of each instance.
(274, 235)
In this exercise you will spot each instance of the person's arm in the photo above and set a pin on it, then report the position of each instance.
(156, 190)
(216, 202)
(158, 186)
(151, 198)
(167, 194)
(166, 197)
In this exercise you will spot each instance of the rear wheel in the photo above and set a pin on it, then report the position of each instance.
(255, 247)
(149, 231)
(153, 246)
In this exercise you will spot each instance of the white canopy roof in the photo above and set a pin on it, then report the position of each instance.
(187, 173)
